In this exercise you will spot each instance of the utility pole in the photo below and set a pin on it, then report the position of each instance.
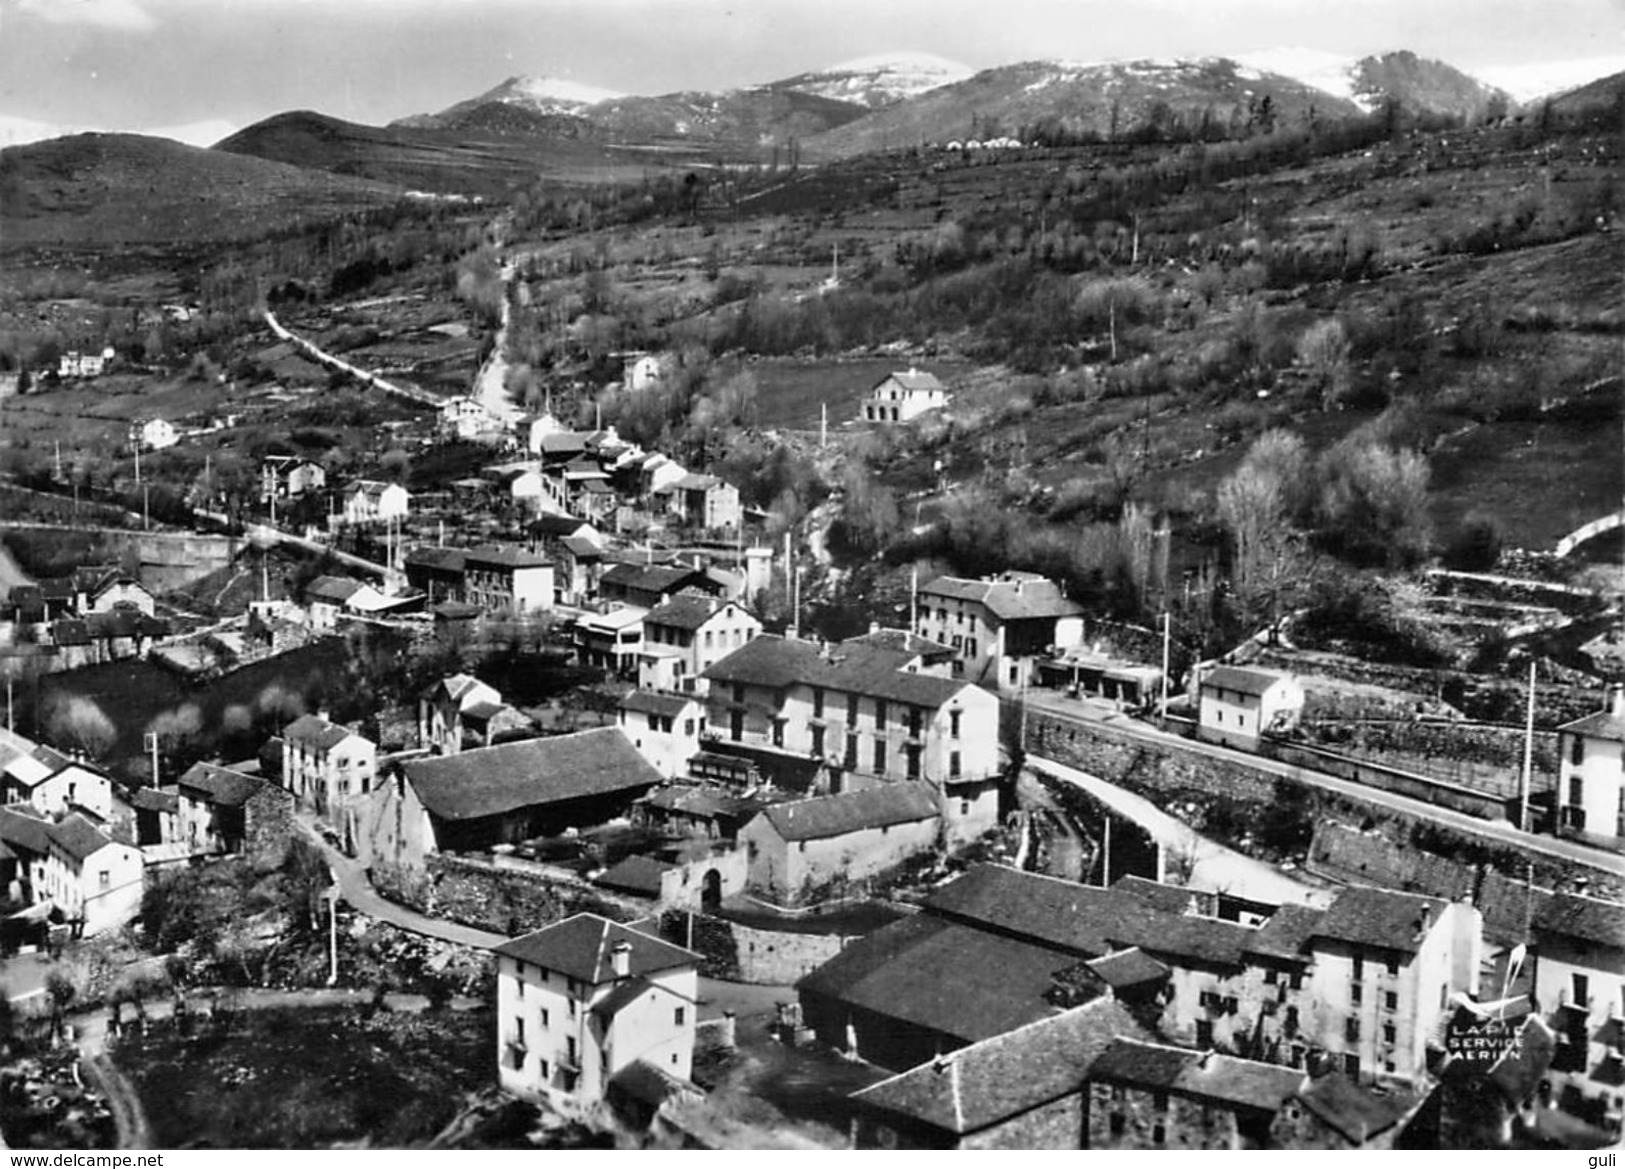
(1167, 637)
(914, 599)
(333, 930)
(823, 428)
(146, 505)
(150, 742)
(1528, 756)
(137, 445)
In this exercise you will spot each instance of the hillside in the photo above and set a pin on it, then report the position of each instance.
(1602, 95)
(1423, 86)
(483, 162)
(546, 97)
(107, 190)
(1106, 101)
(743, 118)
(878, 81)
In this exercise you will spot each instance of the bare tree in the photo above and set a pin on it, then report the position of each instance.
(77, 723)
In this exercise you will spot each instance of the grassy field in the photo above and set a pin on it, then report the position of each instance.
(306, 1079)
(791, 393)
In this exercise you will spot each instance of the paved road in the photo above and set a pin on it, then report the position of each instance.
(1498, 831)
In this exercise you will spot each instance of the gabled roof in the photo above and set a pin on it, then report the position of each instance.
(654, 702)
(650, 578)
(152, 799)
(1356, 1113)
(77, 836)
(981, 1085)
(1604, 724)
(1126, 968)
(778, 662)
(25, 830)
(1243, 680)
(917, 381)
(581, 947)
(900, 641)
(220, 785)
(1600, 923)
(496, 556)
(441, 559)
(686, 610)
(490, 781)
(636, 874)
(1286, 932)
(582, 547)
(1168, 898)
(1011, 597)
(553, 524)
(1376, 917)
(335, 590)
(696, 482)
(1240, 1083)
(876, 807)
(316, 733)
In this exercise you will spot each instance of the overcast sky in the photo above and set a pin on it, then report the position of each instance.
(144, 64)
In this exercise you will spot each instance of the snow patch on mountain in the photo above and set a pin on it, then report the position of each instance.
(1328, 72)
(551, 95)
(881, 79)
(1527, 82)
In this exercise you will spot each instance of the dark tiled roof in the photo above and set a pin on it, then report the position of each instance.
(900, 641)
(332, 589)
(580, 947)
(315, 732)
(651, 1085)
(651, 578)
(1356, 1113)
(1286, 932)
(22, 830)
(1243, 680)
(825, 816)
(1240, 1083)
(583, 548)
(77, 836)
(654, 702)
(638, 874)
(439, 559)
(1604, 724)
(151, 799)
(1005, 1076)
(496, 556)
(553, 524)
(1600, 923)
(1168, 898)
(220, 785)
(686, 611)
(1126, 968)
(489, 781)
(1376, 917)
(1026, 598)
(955, 979)
(622, 997)
(777, 662)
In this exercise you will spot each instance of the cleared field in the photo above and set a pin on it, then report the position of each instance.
(790, 394)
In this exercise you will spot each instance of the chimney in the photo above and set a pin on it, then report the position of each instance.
(1425, 922)
(620, 959)
(874, 627)
(1616, 701)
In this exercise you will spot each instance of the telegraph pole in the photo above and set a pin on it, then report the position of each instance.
(1528, 755)
(1167, 636)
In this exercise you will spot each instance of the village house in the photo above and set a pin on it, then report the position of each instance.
(157, 816)
(648, 585)
(506, 794)
(370, 501)
(999, 627)
(1579, 985)
(587, 1000)
(642, 371)
(703, 809)
(577, 563)
(154, 434)
(688, 874)
(465, 418)
(325, 766)
(220, 810)
(869, 715)
(1591, 775)
(611, 640)
(441, 709)
(75, 363)
(1333, 1112)
(805, 851)
(686, 635)
(289, 477)
(1024, 1089)
(327, 597)
(93, 879)
(1238, 705)
(664, 727)
(1149, 1096)
(904, 396)
(704, 501)
(500, 579)
(49, 781)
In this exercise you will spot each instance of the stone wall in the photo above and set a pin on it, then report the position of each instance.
(267, 824)
(479, 894)
(741, 953)
(1172, 773)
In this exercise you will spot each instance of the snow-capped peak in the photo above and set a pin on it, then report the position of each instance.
(882, 78)
(556, 92)
(1328, 72)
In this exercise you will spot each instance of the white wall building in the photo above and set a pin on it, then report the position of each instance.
(1591, 772)
(1238, 705)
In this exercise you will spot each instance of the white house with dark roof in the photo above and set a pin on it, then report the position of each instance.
(686, 635)
(999, 627)
(704, 501)
(224, 810)
(1579, 987)
(1237, 704)
(371, 501)
(289, 477)
(588, 1000)
(664, 727)
(95, 880)
(867, 713)
(505, 794)
(441, 708)
(805, 851)
(326, 765)
(500, 578)
(1591, 772)
(903, 396)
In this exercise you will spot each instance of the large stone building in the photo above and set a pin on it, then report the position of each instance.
(1591, 777)
(688, 634)
(999, 627)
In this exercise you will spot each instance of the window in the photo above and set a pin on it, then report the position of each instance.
(1357, 994)
(1271, 976)
(953, 765)
(851, 751)
(1296, 981)
(818, 702)
(964, 807)
(912, 750)
(665, 723)
(1351, 1029)
(953, 724)
(880, 758)
(739, 692)
(1359, 968)
(880, 714)
(678, 1016)
(1577, 790)
(654, 722)
(688, 728)
(801, 846)
(1351, 1066)
(1204, 1034)
(1388, 1033)
(542, 1068)
(104, 878)
(1577, 752)
(1393, 967)
(708, 642)
(852, 709)
(1582, 990)
(778, 732)
(1390, 1001)
(545, 1019)
(818, 741)
(1160, 1101)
